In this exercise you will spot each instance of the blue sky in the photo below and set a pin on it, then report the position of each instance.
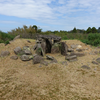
(49, 14)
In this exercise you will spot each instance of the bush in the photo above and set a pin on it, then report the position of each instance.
(1, 41)
(64, 38)
(96, 42)
(7, 42)
(85, 41)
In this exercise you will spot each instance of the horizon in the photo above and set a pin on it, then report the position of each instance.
(49, 14)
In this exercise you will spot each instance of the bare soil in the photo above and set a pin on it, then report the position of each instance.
(24, 81)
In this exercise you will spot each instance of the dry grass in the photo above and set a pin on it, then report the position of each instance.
(25, 81)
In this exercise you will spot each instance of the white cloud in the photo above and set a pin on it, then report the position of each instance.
(69, 13)
(9, 22)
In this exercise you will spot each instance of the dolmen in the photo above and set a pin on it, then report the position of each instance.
(46, 44)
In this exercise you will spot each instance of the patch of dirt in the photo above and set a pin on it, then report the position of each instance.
(25, 81)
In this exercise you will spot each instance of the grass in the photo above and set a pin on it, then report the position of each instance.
(52, 82)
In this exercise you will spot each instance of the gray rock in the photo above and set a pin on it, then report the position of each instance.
(79, 50)
(44, 63)
(68, 54)
(37, 59)
(70, 50)
(74, 46)
(94, 62)
(71, 58)
(34, 47)
(29, 41)
(49, 57)
(85, 67)
(25, 57)
(17, 37)
(26, 47)
(98, 60)
(27, 51)
(14, 57)
(17, 50)
(34, 55)
(96, 52)
(55, 48)
(21, 53)
(39, 50)
(64, 48)
(78, 54)
(53, 60)
(43, 45)
(30, 57)
(4, 53)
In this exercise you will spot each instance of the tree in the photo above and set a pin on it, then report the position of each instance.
(25, 27)
(74, 30)
(94, 30)
(35, 27)
(89, 30)
(98, 30)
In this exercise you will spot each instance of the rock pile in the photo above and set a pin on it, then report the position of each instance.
(48, 44)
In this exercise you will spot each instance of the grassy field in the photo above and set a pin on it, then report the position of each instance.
(24, 81)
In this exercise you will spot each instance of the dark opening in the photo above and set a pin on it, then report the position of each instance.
(48, 46)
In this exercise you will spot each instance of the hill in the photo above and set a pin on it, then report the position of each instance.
(27, 81)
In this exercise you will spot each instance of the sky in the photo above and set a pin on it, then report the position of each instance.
(49, 14)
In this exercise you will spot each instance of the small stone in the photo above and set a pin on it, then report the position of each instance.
(94, 62)
(29, 41)
(14, 57)
(85, 67)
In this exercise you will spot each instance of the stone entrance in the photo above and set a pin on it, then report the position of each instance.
(48, 46)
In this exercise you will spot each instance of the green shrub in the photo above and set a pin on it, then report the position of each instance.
(1, 41)
(7, 42)
(96, 42)
(64, 38)
(85, 41)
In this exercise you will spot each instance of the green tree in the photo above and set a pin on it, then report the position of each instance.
(98, 30)
(89, 30)
(74, 30)
(35, 27)
(94, 30)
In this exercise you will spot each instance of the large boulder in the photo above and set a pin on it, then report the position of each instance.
(43, 45)
(56, 48)
(37, 59)
(17, 50)
(27, 50)
(4, 53)
(25, 57)
(64, 48)
(39, 50)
